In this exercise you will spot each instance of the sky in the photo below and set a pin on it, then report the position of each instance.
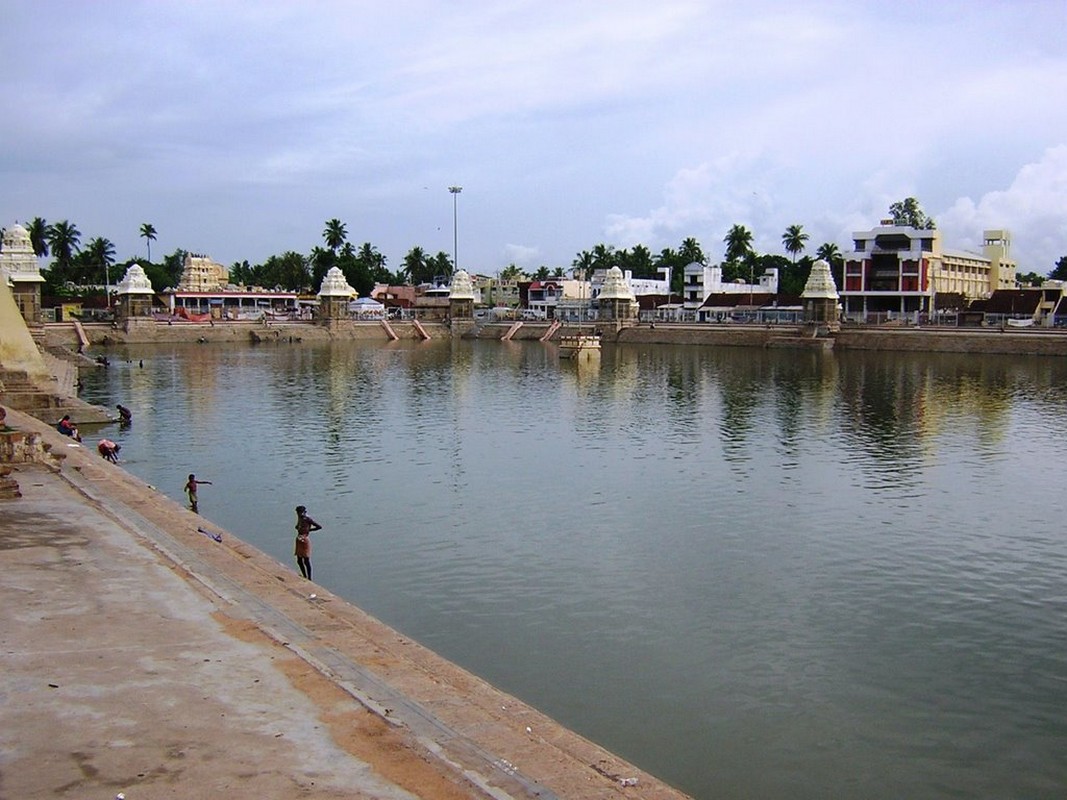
(237, 129)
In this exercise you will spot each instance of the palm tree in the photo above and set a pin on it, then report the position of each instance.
(829, 253)
(334, 234)
(101, 253)
(691, 251)
(738, 243)
(63, 238)
(38, 231)
(414, 266)
(148, 233)
(582, 265)
(793, 239)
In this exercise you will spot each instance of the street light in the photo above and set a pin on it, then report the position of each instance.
(455, 190)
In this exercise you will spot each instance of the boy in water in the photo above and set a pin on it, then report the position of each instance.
(304, 526)
(190, 489)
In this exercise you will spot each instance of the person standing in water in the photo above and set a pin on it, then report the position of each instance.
(190, 489)
(304, 526)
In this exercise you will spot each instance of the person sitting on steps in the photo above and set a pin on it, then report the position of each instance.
(66, 427)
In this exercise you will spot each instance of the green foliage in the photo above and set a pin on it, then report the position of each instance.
(1059, 273)
(172, 268)
(1029, 279)
(288, 272)
(909, 212)
(335, 234)
(792, 275)
(38, 231)
(738, 242)
(415, 267)
(829, 252)
(148, 233)
(793, 239)
(63, 239)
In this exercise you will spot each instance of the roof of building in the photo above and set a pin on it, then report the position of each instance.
(751, 299)
(1009, 301)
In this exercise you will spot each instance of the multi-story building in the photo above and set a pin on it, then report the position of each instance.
(496, 291)
(898, 269)
(701, 282)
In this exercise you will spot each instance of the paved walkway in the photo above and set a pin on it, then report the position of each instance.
(141, 656)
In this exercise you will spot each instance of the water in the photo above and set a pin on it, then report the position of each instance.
(754, 573)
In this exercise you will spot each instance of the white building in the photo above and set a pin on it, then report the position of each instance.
(703, 281)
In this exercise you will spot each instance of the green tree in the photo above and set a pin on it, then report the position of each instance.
(792, 275)
(442, 265)
(1059, 272)
(1028, 279)
(99, 256)
(582, 266)
(541, 274)
(603, 256)
(793, 239)
(909, 212)
(148, 233)
(638, 261)
(63, 238)
(828, 252)
(288, 272)
(242, 274)
(415, 268)
(511, 273)
(369, 256)
(738, 244)
(38, 231)
(171, 273)
(335, 234)
(691, 252)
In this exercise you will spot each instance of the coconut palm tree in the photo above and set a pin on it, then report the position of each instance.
(38, 231)
(793, 239)
(738, 243)
(148, 233)
(100, 254)
(691, 252)
(828, 252)
(63, 238)
(414, 266)
(335, 234)
(582, 266)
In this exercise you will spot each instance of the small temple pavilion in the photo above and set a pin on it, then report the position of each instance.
(820, 295)
(135, 294)
(335, 295)
(616, 300)
(461, 296)
(19, 268)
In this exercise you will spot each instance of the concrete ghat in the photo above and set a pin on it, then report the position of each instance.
(141, 656)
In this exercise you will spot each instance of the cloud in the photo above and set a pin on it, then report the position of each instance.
(522, 255)
(1033, 208)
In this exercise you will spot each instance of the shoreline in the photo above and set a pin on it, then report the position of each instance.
(376, 694)
(979, 341)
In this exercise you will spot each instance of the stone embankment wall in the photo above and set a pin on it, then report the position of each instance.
(978, 341)
(949, 340)
(147, 332)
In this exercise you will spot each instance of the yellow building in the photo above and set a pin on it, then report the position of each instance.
(201, 274)
(898, 269)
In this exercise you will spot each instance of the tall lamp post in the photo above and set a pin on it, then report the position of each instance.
(455, 190)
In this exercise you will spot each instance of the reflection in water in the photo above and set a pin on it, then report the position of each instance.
(756, 573)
